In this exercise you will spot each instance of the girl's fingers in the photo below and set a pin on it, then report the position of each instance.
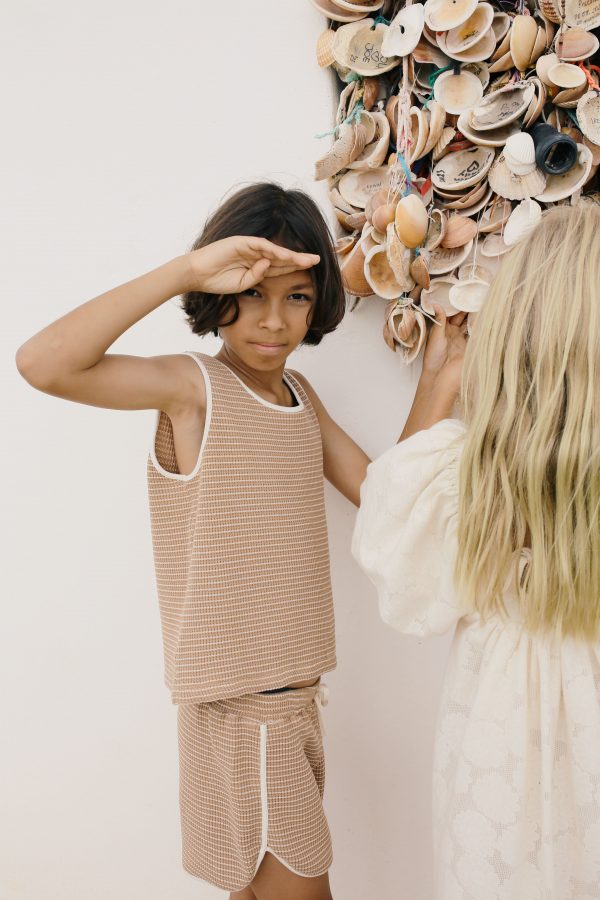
(440, 314)
(458, 319)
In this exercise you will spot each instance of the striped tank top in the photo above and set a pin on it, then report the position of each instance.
(240, 545)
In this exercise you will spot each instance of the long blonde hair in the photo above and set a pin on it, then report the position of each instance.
(530, 466)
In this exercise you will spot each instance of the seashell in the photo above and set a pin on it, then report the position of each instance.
(477, 203)
(462, 169)
(427, 53)
(574, 44)
(595, 151)
(543, 66)
(492, 138)
(400, 320)
(445, 259)
(437, 119)
(519, 153)
(569, 98)
(383, 215)
(472, 29)
(478, 52)
(522, 221)
(367, 238)
(419, 133)
(437, 293)
(344, 245)
(357, 187)
(480, 70)
(416, 340)
(399, 258)
(411, 221)
(469, 295)
(472, 270)
(374, 153)
(501, 24)
(352, 268)
(495, 216)
(588, 116)
(493, 245)
(457, 92)
(582, 14)
(324, 44)
(502, 48)
(375, 200)
(466, 201)
(334, 12)
(379, 273)
(459, 231)
(536, 107)
(502, 106)
(339, 154)
(442, 15)
(358, 47)
(436, 230)
(523, 36)
(356, 221)
(446, 137)
(550, 10)
(419, 269)
(370, 92)
(404, 31)
(503, 64)
(511, 186)
(377, 237)
(364, 6)
(566, 75)
(558, 187)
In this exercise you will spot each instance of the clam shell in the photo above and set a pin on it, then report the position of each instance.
(339, 154)
(575, 44)
(416, 340)
(543, 66)
(404, 31)
(445, 138)
(503, 64)
(466, 202)
(462, 169)
(459, 231)
(522, 221)
(419, 123)
(569, 98)
(492, 138)
(419, 269)
(588, 116)
(436, 230)
(442, 15)
(523, 35)
(377, 199)
(374, 153)
(437, 293)
(425, 52)
(383, 215)
(364, 6)
(344, 245)
(358, 47)
(437, 119)
(493, 245)
(536, 107)
(470, 269)
(478, 52)
(558, 187)
(411, 221)
(357, 187)
(352, 268)
(501, 24)
(495, 216)
(480, 70)
(502, 106)
(472, 29)
(594, 150)
(379, 274)
(399, 258)
(370, 92)
(469, 295)
(566, 75)
(445, 259)
(582, 14)
(457, 92)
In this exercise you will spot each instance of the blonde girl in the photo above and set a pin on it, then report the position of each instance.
(491, 524)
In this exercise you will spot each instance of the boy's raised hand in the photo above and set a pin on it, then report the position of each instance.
(236, 264)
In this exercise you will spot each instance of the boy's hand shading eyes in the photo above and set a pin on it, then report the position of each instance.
(236, 264)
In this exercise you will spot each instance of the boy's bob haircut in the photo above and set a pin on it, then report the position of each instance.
(289, 218)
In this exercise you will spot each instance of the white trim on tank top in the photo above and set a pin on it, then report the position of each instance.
(176, 476)
(283, 409)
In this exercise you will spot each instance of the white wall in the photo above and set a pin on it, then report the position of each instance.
(124, 123)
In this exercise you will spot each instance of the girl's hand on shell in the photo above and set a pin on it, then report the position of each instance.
(236, 264)
(445, 349)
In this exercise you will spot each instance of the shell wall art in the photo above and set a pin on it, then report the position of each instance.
(458, 123)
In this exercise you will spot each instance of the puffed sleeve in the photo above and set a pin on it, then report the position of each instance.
(405, 533)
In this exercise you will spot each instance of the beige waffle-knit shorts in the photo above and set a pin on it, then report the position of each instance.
(252, 774)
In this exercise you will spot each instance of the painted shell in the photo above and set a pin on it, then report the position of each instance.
(442, 15)
(457, 93)
(522, 221)
(404, 31)
(411, 221)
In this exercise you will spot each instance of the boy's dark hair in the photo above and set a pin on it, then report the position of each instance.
(286, 217)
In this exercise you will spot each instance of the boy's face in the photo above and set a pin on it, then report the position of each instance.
(274, 318)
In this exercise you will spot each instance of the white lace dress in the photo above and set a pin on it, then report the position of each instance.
(516, 779)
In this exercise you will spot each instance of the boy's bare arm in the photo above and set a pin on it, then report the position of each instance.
(344, 463)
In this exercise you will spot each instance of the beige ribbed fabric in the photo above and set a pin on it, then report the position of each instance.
(252, 776)
(240, 546)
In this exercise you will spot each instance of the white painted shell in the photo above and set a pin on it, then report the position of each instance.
(522, 221)
(469, 295)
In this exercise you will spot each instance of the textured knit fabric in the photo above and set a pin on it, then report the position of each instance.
(240, 546)
(517, 763)
(252, 775)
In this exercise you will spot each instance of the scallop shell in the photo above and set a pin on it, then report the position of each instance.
(522, 221)
(411, 221)
(511, 186)
(459, 231)
(442, 15)
(457, 92)
(519, 153)
(379, 273)
(575, 44)
(558, 187)
(469, 295)
(404, 31)
(549, 10)
(324, 44)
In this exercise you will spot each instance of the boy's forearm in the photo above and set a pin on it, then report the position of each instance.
(80, 339)
(433, 402)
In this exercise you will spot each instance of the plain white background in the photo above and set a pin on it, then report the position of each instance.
(124, 124)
